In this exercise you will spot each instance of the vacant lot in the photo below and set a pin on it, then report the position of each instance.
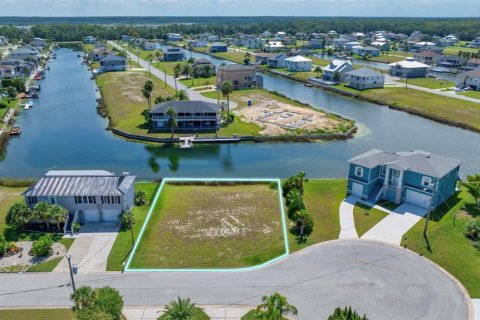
(447, 244)
(212, 226)
(8, 196)
(37, 314)
(430, 83)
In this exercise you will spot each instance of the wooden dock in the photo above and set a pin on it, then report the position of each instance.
(15, 131)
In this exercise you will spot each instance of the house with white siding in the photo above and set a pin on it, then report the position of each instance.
(298, 64)
(364, 78)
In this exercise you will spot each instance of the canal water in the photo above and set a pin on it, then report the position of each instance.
(63, 131)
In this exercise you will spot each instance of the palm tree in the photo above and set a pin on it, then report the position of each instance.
(180, 309)
(317, 70)
(246, 57)
(207, 70)
(186, 70)
(274, 307)
(140, 198)
(172, 121)
(147, 91)
(19, 215)
(177, 70)
(58, 215)
(227, 88)
(83, 297)
(182, 95)
(42, 211)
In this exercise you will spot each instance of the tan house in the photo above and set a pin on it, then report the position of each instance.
(239, 75)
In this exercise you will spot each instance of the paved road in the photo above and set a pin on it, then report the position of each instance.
(192, 94)
(385, 282)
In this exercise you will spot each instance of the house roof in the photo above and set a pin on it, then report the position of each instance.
(201, 61)
(186, 106)
(81, 183)
(371, 48)
(298, 59)
(219, 44)
(235, 67)
(23, 50)
(266, 55)
(474, 61)
(427, 53)
(336, 65)
(475, 73)
(113, 58)
(364, 72)
(416, 161)
(410, 63)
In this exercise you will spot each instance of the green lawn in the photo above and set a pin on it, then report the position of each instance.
(428, 104)
(387, 59)
(447, 244)
(198, 314)
(366, 217)
(37, 314)
(198, 82)
(322, 199)
(319, 61)
(471, 94)
(237, 57)
(11, 103)
(48, 266)
(455, 49)
(430, 83)
(212, 226)
(8, 196)
(123, 243)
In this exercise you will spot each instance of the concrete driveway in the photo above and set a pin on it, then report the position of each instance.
(91, 248)
(347, 222)
(392, 228)
(380, 280)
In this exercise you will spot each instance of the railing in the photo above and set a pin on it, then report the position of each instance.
(74, 221)
(65, 226)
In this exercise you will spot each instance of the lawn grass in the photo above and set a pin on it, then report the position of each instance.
(198, 314)
(123, 243)
(366, 217)
(447, 244)
(237, 57)
(464, 113)
(453, 50)
(322, 199)
(212, 226)
(37, 314)
(430, 83)
(198, 82)
(8, 196)
(386, 59)
(49, 265)
(319, 61)
(11, 103)
(471, 94)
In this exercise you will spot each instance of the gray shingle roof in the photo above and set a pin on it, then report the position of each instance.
(186, 107)
(81, 183)
(235, 66)
(430, 164)
(364, 72)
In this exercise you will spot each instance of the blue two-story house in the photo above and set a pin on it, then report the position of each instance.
(416, 177)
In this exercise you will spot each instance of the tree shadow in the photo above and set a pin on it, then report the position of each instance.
(443, 209)
(472, 209)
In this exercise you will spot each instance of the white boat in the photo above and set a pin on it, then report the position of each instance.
(28, 105)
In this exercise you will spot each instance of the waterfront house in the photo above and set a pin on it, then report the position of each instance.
(150, 46)
(274, 46)
(173, 54)
(89, 40)
(7, 71)
(198, 44)
(93, 195)
(239, 75)
(364, 78)
(218, 47)
(336, 66)
(23, 54)
(316, 43)
(97, 54)
(39, 43)
(409, 68)
(191, 116)
(298, 64)
(113, 63)
(340, 42)
(416, 177)
(368, 51)
(469, 79)
(473, 63)
(125, 38)
(261, 58)
(351, 44)
(450, 61)
(277, 60)
(203, 68)
(427, 57)
(172, 37)
(475, 43)
(253, 43)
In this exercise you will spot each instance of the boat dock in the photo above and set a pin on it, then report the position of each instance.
(15, 131)
(186, 142)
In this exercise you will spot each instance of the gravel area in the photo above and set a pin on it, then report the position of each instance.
(23, 260)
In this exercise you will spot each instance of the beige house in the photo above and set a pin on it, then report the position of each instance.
(239, 75)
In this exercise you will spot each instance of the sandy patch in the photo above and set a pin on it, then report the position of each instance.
(23, 260)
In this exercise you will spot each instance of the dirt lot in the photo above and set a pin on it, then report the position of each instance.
(212, 226)
(280, 117)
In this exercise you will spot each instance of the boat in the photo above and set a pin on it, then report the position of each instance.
(308, 85)
(28, 105)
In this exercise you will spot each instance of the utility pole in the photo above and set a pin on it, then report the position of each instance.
(429, 211)
(71, 272)
(165, 73)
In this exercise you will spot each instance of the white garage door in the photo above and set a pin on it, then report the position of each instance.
(418, 199)
(110, 215)
(357, 189)
(91, 215)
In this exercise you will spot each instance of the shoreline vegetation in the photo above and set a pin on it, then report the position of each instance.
(427, 105)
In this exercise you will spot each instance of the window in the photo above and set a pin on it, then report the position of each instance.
(395, 173)
(383, 170)
(32, 200)
(426, 181)
(359, 171)
(85, 199)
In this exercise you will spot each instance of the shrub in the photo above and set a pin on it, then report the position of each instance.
(295, 205)
(346, 314)
(472, 230)
(303, 218)
(140, 198)
(93, 314)
(43, 246)
(110, 301)
(97, 304)
(76, 227)
(126, 220)
(3, 245)
(3, 105)
(19, 215)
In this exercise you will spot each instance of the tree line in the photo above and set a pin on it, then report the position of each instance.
(75, 29)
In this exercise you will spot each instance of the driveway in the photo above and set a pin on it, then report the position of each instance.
(383, 281)
(91, 248)
(347, 222)
(392, 228)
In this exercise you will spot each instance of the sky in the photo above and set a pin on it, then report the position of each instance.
(402, 8)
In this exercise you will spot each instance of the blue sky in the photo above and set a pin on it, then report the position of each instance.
(414, 8)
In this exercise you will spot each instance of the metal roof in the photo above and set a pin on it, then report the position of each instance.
(364, 72)
(186, 107)
(430, 164)
(81, 183)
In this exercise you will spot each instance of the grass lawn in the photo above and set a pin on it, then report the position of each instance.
(386, 59)
(8, 196)
(123, 243)
(212, 226)
(48, 266)
(237, 57)
(198, 82)
(198, 314)
(430, 83)
(319, 61)
(471, 94)
(428, 104)
(366, 217)
(37, 314)
(322, 199)
(11, 103)
(447, 244)
(167, 67)
(455, 49)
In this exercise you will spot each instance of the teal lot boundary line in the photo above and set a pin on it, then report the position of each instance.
(154, 204)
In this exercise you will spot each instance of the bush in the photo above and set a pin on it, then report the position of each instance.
(93, 314)
(3, 245)
(303, 218)
(43, 246)
(472, 230)
(126, 220)
(110, 301)
(3, 105)
(97, 304)
(346, 314)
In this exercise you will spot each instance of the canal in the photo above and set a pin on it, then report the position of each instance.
(63, 131)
